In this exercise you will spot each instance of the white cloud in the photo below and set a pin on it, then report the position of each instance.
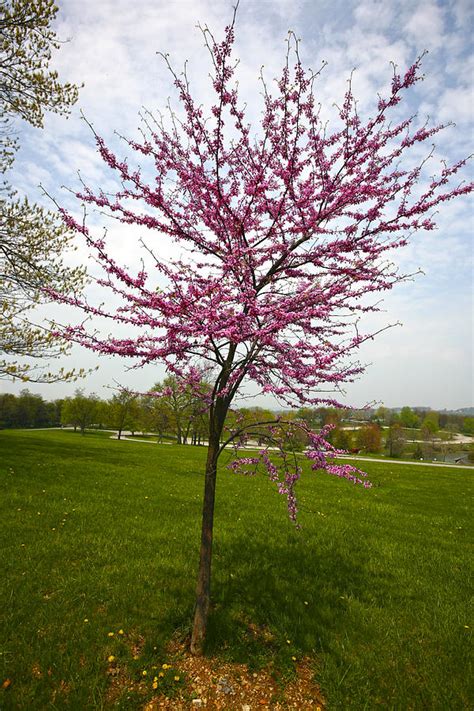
(112, 49)
(425, 26)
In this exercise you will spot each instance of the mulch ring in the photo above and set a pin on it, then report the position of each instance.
(216, 685)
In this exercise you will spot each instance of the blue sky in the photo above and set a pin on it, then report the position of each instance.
(112, 47)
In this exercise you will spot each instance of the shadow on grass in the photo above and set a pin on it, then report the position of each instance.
(295, 602)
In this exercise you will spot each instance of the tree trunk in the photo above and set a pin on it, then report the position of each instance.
(203, 591)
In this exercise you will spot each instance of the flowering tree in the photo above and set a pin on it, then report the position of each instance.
(283, 236)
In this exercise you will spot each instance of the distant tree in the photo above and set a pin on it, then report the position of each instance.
(294, 436)
(31, 410)
(369, 438)
(199, 425)
(443, 419)
(155, 416)
(418, 451)
(394, 418)
(431, 422)
(330, 415)
(382, 415)
(27, 410)
(123, 411)
(395, 441)
(79, 411)
(341, 438)
(8, 411)
(408, 418)
(468, 426)
(429, 441)
(309, 415)
(181, 405)
(250, 419)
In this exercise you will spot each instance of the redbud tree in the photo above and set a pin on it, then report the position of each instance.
(282, 234)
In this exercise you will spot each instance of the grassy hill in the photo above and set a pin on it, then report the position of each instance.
(101, 536)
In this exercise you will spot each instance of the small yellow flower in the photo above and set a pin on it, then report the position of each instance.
(86, 620)
(110, 634)
(466, 626)
(136, 656)
(294, 659)
(155, 685)
(176, 678)
(121, 632)
(166, 666)
(288, 641)
(144, 672)
(155, 678)
(161, 674)
(111, 658)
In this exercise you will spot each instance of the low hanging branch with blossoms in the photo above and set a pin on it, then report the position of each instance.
(276, 440)
(283, 233)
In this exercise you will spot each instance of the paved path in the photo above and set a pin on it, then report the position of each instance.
(411, 463)
(137, 439)
(355, 457)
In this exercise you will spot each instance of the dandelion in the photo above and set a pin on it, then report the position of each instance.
(86, 620)
(288, 641)
(155, 685)
(121, 632)
(144, 672)
(110, 634)
(294, 659)
(161, 675)
(176, 678)
(111, 658)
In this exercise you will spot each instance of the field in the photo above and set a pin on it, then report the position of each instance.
(100, 536)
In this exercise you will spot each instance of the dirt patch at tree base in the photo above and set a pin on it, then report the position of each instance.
(186, 682)
(217, 685)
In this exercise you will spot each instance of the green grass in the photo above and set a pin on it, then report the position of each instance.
(375, 587)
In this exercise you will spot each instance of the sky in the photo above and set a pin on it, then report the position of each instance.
(111, 47)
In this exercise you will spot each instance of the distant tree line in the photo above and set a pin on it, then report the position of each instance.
(179, 413)
(171, 412)
(28, 410)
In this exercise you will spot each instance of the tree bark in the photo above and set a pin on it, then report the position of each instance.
(203, 591)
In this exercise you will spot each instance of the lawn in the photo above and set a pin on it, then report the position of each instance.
(100, 536)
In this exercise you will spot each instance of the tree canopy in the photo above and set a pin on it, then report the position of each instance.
(32, 240)
(28, 87)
